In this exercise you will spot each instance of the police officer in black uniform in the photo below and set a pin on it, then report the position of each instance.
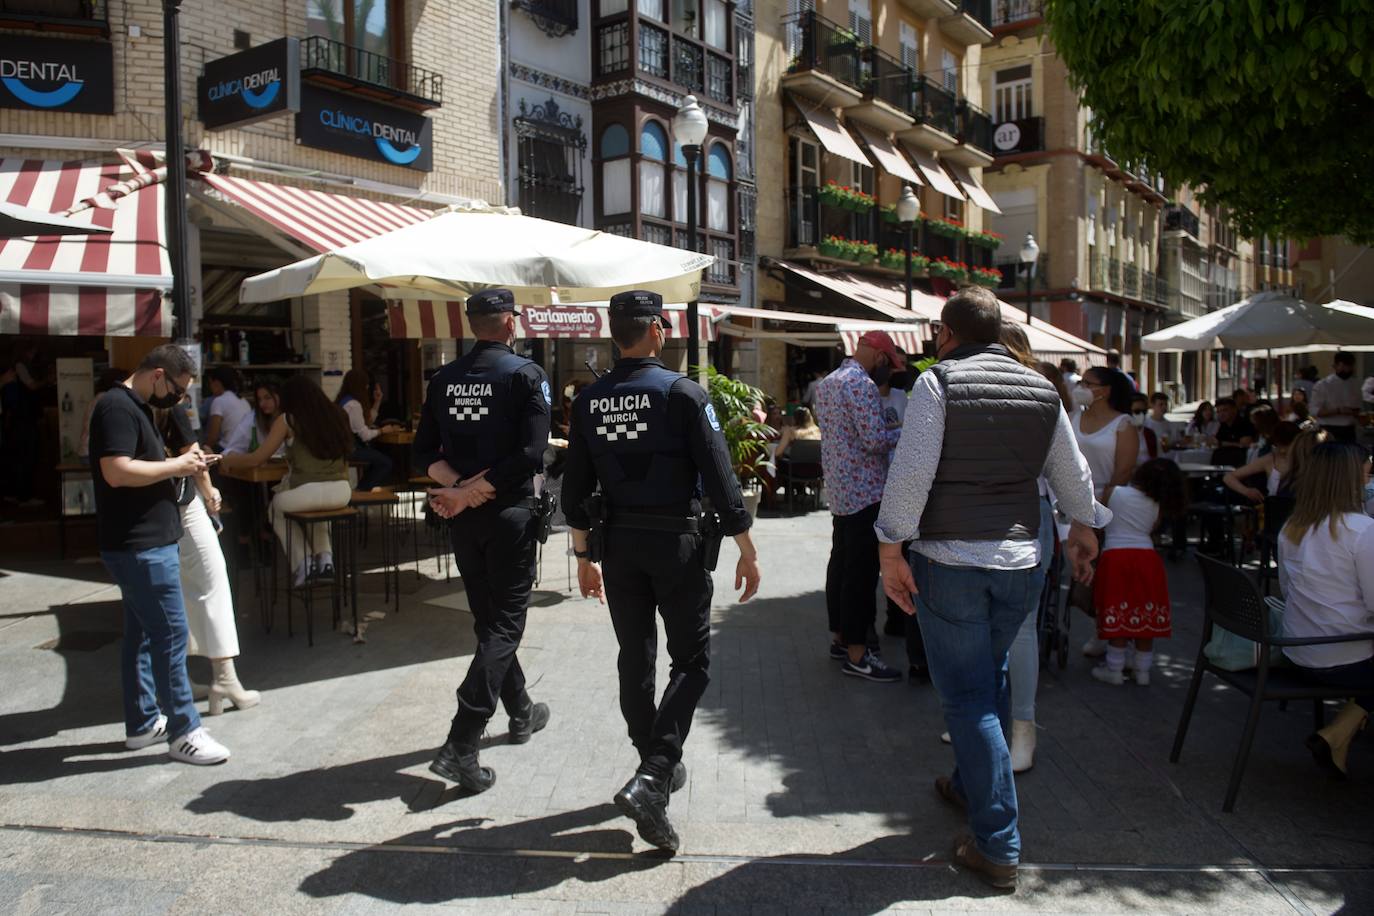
(650, 438)
(482, 436)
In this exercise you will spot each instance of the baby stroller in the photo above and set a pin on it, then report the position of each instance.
(1052, 616)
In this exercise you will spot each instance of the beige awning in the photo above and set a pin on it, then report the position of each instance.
(935, 176)
(889, 160)
(971, 187)
(883, 295)
(827, 129)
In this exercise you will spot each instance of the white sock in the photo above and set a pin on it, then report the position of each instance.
(324, 559)
(1143, 660)
(1116, 658)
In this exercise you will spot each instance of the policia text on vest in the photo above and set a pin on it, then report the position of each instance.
(644, 450)
(482, 436)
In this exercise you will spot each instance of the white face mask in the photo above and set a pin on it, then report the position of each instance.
(1082, 397)
(1137, 419)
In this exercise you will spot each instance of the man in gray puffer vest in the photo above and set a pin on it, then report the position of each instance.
(980, 429)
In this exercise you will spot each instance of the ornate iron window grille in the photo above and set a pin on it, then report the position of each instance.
(551, 146)
(554, 18)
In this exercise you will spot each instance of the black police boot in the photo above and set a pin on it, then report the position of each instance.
(459, 763)
(645, 801)
(536, 716)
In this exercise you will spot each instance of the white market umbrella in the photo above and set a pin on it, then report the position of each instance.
(1266, 321)
(21, 222)
(460, 252)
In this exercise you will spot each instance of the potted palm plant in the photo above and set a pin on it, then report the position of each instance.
(745, 437)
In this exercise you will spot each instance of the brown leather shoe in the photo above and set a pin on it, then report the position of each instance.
(944, 786)
(1002, 877)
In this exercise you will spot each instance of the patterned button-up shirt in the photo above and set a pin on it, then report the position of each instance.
(854, 441)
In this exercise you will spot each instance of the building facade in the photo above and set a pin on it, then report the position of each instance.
(373, 108)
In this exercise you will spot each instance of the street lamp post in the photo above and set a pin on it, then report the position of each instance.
(689, 129)
(1030, 256)
(176, 169)
(908, 208)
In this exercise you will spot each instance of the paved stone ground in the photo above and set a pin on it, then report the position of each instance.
(809, 792)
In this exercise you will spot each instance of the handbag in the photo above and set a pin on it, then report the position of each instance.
(1230, 652)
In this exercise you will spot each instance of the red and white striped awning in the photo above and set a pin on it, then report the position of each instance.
(426, 318)
(317, 219)
(909, 341)
(99, 284)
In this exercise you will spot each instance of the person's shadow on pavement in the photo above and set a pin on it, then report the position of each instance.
(523, 857)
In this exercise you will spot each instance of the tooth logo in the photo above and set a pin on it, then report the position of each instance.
(264, 98)
(399, 157)
(13, 73)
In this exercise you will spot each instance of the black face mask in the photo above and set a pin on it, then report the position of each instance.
(166, 401)
(881, 374)
(1344, 374)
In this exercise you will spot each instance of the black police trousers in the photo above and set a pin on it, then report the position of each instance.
(644, 572)
(495, 549)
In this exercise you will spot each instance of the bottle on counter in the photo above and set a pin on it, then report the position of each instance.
(243, 348)
(217, 349)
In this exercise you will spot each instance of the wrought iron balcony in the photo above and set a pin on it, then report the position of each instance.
(553, 17)
(1016, 12)
(1179, 218)
(933, 105)
(819, 45)
(886, 79)
(87, 17)
(975, 127)
(339, 66)
(973, 24)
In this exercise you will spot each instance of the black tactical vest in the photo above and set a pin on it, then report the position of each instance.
(479, 416)
(999, 420)
(639, 459)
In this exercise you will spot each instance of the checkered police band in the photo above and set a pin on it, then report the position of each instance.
(468, 413)
(620, 431)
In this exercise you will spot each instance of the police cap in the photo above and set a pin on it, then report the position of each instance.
(638, 303)
(492, 302)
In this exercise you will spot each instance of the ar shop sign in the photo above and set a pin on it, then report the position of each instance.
(357, 127)
(252, 85)
(52, 74)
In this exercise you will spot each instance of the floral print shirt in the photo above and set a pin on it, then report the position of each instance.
(855, 443)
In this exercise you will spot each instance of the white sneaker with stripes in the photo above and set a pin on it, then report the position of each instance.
(199, 748)
(152, 736)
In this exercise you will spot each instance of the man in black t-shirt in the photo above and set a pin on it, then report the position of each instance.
(139, 524)
(1235, 434)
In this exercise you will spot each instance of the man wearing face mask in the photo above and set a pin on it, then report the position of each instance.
(1336, 399)
(855, 443)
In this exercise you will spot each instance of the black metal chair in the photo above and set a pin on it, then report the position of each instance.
(800, 465)
(1232, 601)
(1276, 512)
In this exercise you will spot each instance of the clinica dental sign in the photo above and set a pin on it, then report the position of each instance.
(252, 85)
(360, 127)
(49, 74)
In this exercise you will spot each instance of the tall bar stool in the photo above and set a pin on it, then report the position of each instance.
(343, 532)
(434, 525)
(386, 502)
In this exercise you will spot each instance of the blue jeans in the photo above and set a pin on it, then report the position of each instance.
(1023, 663)
(969, 617)
(153, 658)
(379, 465)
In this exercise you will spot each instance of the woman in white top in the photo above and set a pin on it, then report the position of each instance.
(358, 400)
(230, 429)
(1274, 466)
(1326, 570)
(1104, 431)
(1204, 426)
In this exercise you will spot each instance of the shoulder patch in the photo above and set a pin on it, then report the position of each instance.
(711, 417)
(548, 397)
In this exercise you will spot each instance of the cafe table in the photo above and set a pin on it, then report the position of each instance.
(397, 437)
(269, 472)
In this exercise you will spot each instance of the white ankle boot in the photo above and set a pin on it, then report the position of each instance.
(1022, 745)
(227, 687)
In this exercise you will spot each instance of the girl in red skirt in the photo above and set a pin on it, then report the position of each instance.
(1131, 590)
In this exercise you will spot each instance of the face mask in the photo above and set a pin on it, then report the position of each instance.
(165, 401)
(1344, 374)
(1082, 397)
(880, 373)
(1137, 419)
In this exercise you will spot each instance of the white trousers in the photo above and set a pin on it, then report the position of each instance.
(205, 586)
(309, 497)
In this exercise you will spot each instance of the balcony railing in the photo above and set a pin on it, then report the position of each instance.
(1024, 135)
(335, 63)
(981, 10)
(719, 78)
(809, 221)
(554, 17)
(1013, 12)
(818, 44)
(886, 79)
(1179, 217)
(1130, 280)
(934, 105)
(1154, 288)
(975, 127)
(81, 16)
(689, 65)
(722, 269)
(1014, 273)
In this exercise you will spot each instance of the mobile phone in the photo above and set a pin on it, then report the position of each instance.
(212, 458)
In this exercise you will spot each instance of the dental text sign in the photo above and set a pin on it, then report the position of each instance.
(259, 83)
(358, 127)
(54, 74)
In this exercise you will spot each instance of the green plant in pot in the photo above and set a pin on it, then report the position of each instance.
(745, 437)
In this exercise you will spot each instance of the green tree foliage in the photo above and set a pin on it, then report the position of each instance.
(1267, 104)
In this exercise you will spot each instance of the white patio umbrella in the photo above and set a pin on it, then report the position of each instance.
(459, 252)
(20, 222)
(1269, 321)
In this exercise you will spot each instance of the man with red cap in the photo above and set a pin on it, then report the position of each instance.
(855, 443)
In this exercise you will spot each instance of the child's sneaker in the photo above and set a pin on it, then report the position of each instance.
(1142, 678)
(1110, 676)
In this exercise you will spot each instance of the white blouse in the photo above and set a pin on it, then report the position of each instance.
(1100, 449)
(358, 423)
(1328, 588)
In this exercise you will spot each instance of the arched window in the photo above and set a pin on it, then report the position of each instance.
(615, 170)
(653, 150)
(719, 171)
